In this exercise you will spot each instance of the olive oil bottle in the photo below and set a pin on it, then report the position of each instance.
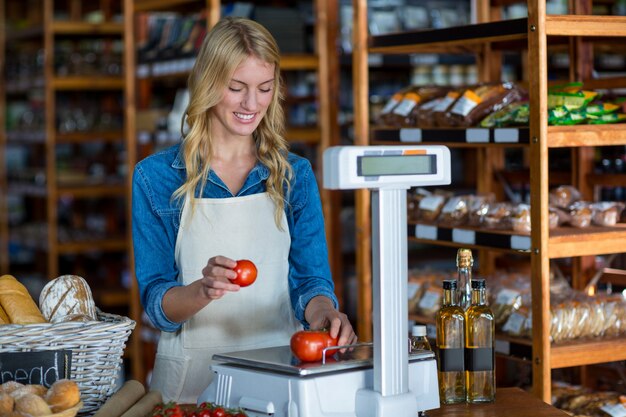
(479, 347)
(464, 263)
(450, 322)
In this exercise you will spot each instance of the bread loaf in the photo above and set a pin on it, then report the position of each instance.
(6, 403)
(4, 319)
(17, 302)
(63, 394)
(67, 295)
(33, 405)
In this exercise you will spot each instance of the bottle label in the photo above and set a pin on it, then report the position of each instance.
(479, 359)
(451, 360)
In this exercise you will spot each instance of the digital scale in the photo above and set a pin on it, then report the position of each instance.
(377, 380)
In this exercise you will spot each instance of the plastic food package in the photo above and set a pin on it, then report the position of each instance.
(476, 103)
(430, 207)
(425, 97)
(430, 302)
(455, 212)
(510, 295)
(520, 218)
(580, 214)
(563, 196)
(498, 216)
(606, 213)
(479, 206)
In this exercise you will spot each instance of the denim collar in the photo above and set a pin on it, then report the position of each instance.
(259, 173)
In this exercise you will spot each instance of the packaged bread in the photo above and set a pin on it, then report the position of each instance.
(67, 296)
(580, 214)
(456, 211)
(479, 206)
(17, 302)
(563, 196)
(476, 103)
(430, 207)
(498, 216)
(520, 218)
(606, 213)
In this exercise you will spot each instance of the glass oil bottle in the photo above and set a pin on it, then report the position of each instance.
(464, 263)
(450, 322)
(479, 347)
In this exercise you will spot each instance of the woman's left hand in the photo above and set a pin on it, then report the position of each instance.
(321, 313)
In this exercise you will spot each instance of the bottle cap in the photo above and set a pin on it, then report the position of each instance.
(449, 284)
(464, 258)
(418, 330)
(478, 284)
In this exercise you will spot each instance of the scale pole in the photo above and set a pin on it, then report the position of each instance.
(389, 232)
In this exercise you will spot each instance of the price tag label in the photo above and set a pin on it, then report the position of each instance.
(423, 231)
(464, 236)
(477, 135)
(506, 135)
(410, 135)
(520, 242)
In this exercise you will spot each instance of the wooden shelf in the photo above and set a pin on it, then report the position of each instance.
(94, 136)
(299, 62)
(586, 135)
(96, 245)
(558, 136)
(607, 180)
(562, 355)
(87, 29)
(453, 137)
(564, 242)
(587, 352)
(460, 39)
(97, 190)
(470, 38)
(29, 33)
(23, 137)
(24, 86)
(91, 83)
(162, 5)
(588, 26)
(309, 135)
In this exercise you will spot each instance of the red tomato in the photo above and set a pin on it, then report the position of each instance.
(246, 273)
(204, 412)
(307, 345)
(219, 412)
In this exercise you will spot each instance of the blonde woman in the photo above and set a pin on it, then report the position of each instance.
(229, 191)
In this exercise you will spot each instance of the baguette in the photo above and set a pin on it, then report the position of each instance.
(17, 302)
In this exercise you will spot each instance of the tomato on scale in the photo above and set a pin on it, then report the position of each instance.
(308, 345)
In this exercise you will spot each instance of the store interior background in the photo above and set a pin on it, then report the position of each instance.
(65, 200)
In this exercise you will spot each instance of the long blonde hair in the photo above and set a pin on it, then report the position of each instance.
(224, 48)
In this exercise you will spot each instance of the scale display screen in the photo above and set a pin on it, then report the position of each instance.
(401, 167)
(376, 165)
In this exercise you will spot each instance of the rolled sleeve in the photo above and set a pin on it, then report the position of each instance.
(309, 270)
(153, 244)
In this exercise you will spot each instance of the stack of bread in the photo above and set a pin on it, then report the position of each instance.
(62, 399)
(66, 298)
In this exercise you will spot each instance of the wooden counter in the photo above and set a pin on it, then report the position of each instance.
(510, 402)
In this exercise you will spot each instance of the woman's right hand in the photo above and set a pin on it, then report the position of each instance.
(216, 276)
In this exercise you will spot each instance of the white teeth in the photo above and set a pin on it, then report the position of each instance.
(244, 116)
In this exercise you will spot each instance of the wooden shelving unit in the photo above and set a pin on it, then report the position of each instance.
(50, 26)
(533, 34)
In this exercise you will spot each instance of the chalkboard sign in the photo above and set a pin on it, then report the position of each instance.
(41, 367)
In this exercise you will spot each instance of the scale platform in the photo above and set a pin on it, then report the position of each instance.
(273, 382)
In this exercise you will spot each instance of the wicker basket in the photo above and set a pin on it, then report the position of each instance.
(97, 348)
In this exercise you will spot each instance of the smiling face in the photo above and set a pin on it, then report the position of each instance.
(246, 99)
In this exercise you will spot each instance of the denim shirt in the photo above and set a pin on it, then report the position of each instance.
(156, 219)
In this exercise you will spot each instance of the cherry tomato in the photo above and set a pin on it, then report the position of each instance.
(308, 345)
(205, 412)
(219, 412)
(246, 273)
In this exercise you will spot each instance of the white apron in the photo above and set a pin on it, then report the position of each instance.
(256, 316)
